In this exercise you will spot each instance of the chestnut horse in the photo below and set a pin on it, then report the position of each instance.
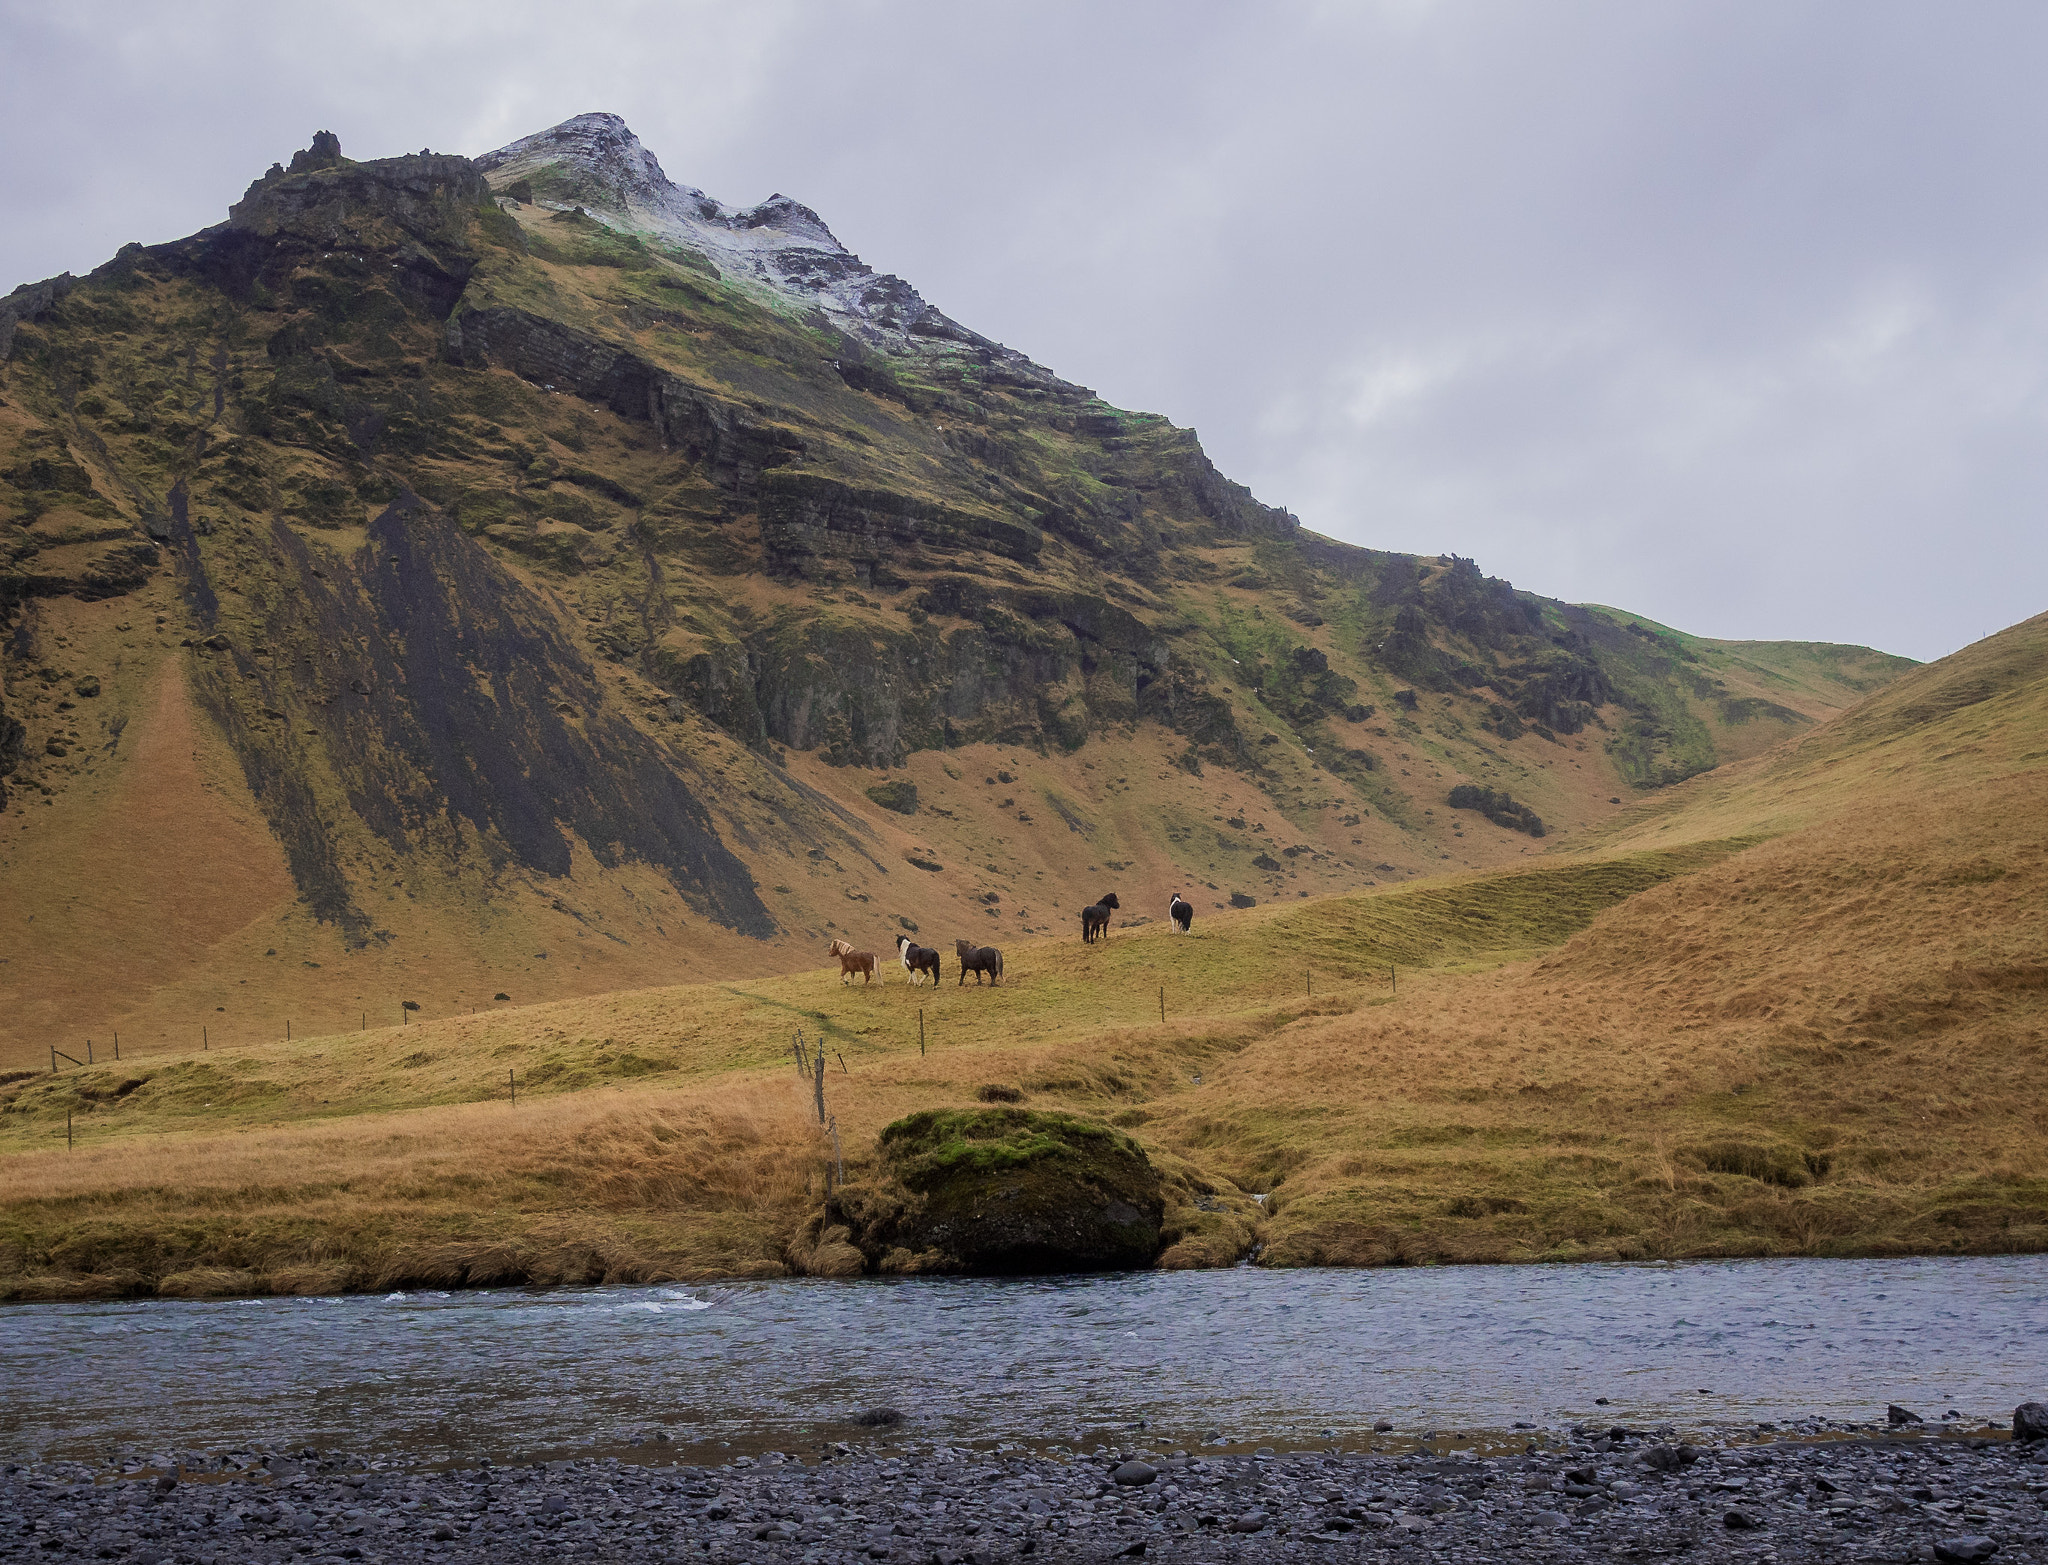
(852, 961)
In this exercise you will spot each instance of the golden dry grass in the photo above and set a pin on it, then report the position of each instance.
(1813, 1024)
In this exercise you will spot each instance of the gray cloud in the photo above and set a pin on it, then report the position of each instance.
(1733, 316)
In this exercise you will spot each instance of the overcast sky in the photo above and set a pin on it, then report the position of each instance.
(1733, 315)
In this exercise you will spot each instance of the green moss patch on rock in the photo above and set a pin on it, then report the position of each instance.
(896, 795)
(1003, 1191)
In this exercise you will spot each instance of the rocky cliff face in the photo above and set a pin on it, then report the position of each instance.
(539, 535)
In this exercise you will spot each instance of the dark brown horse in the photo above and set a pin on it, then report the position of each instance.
(1095, 920)
(978, 960)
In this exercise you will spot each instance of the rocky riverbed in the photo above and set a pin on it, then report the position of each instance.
(1596, 1494)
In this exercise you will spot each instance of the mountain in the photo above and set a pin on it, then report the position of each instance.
(464, 582)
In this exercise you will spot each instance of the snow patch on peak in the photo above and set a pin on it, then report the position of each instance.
(599, 152)
(793, 218)
(781, 246)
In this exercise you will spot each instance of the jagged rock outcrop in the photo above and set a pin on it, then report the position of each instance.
(27, 303)
(805, 516)
(996, 665)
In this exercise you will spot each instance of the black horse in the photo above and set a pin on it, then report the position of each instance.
(918, 961)
(1182, 912)
(978, 960)
(1095, 920)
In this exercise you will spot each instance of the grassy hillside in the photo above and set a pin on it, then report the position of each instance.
(412, 591)
(1797, 1006)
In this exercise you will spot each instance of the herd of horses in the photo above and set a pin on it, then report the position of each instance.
(920, 962)
(985, 962)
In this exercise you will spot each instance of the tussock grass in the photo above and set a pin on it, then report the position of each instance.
(579, 1188)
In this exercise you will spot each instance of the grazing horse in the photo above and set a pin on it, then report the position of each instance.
(852, 961)
(1182, 912)
(1095, 920)
(978, 960)
(918, 961)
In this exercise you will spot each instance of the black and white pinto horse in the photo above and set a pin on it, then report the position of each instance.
(978, 960)
(1182, 912)
(1095, 920)
(918, 961)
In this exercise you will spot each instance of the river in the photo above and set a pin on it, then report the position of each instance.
(1292, 1359)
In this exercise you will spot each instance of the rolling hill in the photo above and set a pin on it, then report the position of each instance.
(469, 583)
(1796, 1005)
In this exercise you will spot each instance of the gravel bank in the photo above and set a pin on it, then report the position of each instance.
(1905, 1499)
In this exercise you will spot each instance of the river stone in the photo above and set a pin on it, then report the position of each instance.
(999, 1191)
(1135, 1473)
(2030, 1421)
(1965, 1551)
(1896, 1415)
(1670, 1458)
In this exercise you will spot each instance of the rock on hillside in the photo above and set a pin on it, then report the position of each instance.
(1000, 1191)
(553, 553)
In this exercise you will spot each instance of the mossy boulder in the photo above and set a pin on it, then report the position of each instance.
(896, 795)
(1004, 1191)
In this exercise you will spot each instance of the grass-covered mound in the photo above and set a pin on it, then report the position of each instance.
(1005, 1190)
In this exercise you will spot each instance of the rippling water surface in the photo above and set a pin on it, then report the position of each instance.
(1250, 1356)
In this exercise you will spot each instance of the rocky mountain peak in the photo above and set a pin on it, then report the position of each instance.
(781, 247)
(594, 161)
(325, 152)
